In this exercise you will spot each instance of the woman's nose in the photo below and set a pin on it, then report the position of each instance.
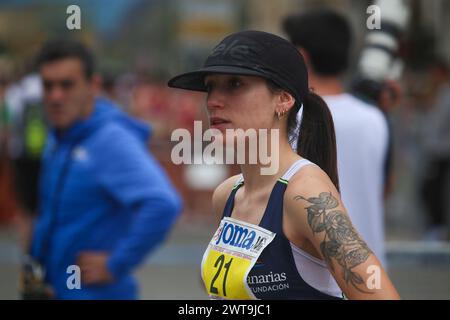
(215, 100)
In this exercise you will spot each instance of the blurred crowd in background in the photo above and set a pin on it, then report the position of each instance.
(139, 44)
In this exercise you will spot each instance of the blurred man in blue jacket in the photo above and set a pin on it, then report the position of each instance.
(105, 203)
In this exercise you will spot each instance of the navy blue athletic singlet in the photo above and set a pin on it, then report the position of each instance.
(275, 274)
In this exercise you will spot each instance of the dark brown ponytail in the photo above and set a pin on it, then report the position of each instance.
(316, 139)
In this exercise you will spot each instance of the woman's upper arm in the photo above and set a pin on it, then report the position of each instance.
(315, 206)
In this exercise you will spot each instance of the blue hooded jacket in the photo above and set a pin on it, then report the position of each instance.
(101, 190)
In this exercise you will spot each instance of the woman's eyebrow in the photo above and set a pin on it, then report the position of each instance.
(207, 81)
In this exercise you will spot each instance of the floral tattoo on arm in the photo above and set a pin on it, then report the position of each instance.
(341, 241)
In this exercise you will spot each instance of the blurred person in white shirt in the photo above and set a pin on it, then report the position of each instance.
(362, 136)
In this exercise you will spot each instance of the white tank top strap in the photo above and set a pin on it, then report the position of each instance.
(239, 181)
(295, 167)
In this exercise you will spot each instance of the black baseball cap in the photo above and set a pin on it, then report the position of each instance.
(252, 53)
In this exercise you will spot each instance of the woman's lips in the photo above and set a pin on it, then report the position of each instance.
(218, 123)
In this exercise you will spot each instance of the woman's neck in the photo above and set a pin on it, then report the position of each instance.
(255, 180)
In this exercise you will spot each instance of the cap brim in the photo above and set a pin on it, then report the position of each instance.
(195, 80)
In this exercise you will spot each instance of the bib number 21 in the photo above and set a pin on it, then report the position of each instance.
(220, 264)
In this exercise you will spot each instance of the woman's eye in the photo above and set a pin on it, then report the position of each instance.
(234, 83)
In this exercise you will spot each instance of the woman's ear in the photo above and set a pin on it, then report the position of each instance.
(285, 102)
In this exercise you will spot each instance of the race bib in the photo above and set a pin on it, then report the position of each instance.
(231, 254)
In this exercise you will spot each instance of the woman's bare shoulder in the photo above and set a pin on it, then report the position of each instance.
(309, 179)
